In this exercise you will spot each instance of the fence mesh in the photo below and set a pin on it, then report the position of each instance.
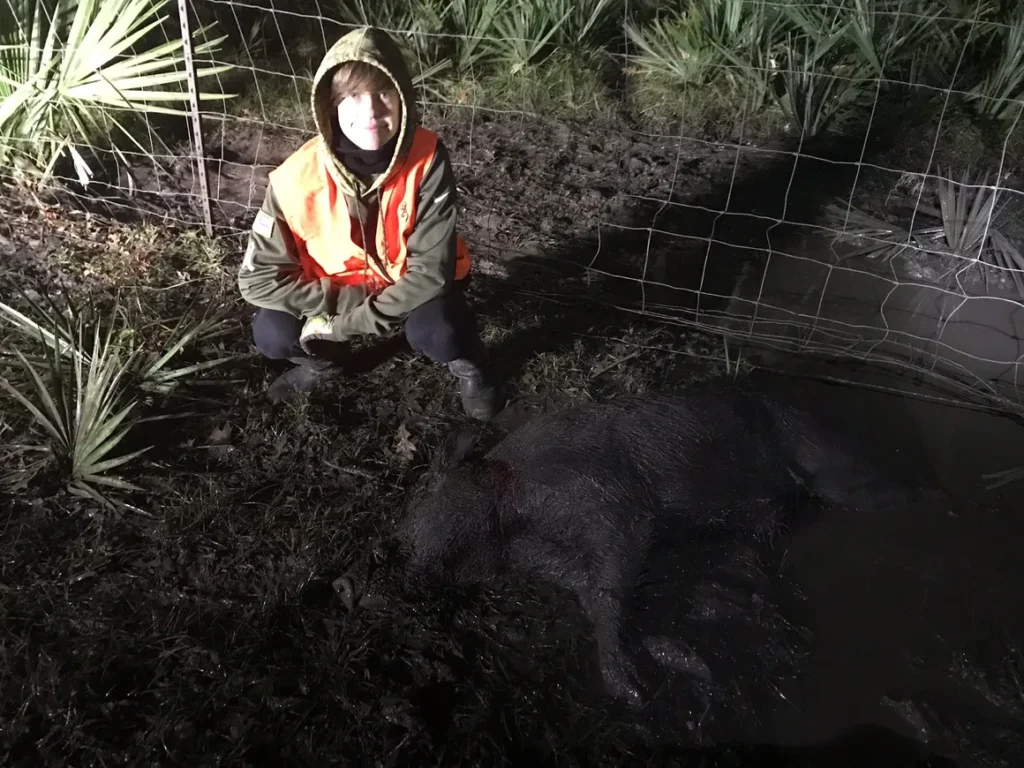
(836, 179)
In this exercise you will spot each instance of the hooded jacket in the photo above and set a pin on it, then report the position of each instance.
(271, 275)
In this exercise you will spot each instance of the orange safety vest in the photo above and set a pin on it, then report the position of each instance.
(325, 232)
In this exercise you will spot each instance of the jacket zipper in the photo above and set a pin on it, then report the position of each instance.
(372, 252)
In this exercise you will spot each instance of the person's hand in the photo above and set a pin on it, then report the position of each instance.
(317, 327)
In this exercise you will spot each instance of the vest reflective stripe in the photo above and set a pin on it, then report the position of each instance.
(326, 234)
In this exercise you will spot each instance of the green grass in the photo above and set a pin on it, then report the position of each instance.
(146, 255)
(564, 85)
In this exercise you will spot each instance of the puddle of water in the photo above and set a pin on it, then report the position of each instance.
(922, 606)
(858, 306)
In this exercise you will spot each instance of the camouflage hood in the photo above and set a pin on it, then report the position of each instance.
(372, 46)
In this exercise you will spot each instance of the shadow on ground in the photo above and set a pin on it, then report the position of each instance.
(677, 261)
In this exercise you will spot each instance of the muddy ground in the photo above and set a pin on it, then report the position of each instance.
(203, 629)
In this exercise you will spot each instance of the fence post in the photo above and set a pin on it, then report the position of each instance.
(197, 122)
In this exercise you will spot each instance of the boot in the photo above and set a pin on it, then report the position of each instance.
(480, 398)
(304, 377)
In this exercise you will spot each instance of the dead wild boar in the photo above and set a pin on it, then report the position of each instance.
(579, 497)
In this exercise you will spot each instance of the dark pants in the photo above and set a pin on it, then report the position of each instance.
(443, 329)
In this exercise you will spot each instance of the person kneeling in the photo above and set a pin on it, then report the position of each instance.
(357, 232)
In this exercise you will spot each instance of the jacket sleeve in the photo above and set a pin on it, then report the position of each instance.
(430, 268)
(271, 276)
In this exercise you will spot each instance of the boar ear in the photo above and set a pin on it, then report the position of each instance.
(456, 447)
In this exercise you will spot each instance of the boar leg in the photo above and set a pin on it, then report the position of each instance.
(605, 600)
(600, 565)
(618, 668)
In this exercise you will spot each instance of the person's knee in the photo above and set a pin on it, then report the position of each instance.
(275, 333)
(442, 330)
(437, 340)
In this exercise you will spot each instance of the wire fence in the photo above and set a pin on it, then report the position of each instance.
(903, 257)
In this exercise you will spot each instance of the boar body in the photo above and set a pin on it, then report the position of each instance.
(582, 497)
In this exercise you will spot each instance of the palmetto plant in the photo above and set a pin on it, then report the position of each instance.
(86, 388)
(523, 32)
(470, 25)
(84, 411)
(999, 94)
(417, 27)
(821, 85)
(709, 41)
(963, 223)
(439, 37)
(821, 62)
(587, 24)
(833, 54)
(72, 71)
(474, 35)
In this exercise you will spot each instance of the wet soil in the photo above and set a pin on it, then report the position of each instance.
(204, 629)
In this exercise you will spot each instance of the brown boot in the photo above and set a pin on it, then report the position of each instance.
(304, 377)
(480, 397)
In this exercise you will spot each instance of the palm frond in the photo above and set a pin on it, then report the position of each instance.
(154, 371)
(1000, 94)
(85, 411)
(85, 390)
(964, 224)
(66, 66)
(524, 31)
(869, 236)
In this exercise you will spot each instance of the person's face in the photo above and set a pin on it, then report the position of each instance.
(371, 120)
